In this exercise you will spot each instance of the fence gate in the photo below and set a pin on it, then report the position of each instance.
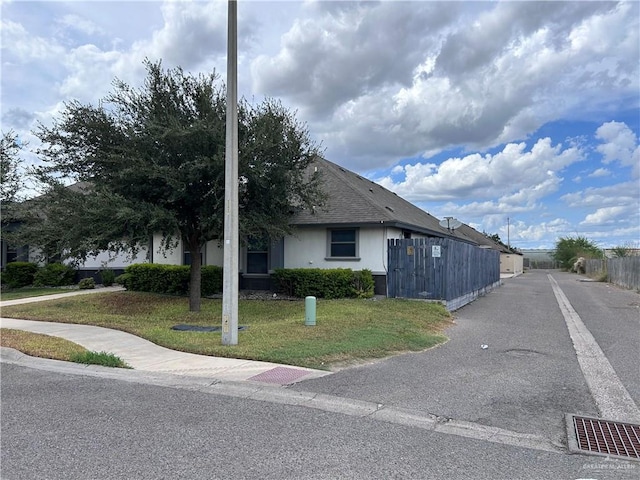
(416, 268)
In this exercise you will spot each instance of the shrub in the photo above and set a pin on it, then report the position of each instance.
(363, 283)
(123, 279)
(108, 277)
(54, 275)
(19, 274)
(169, 279)
(332, 283)
(211, 279)
(87, 284)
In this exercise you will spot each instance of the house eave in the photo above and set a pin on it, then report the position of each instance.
(385, 224)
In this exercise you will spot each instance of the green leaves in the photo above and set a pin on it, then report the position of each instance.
(154, 160)
(569, 249)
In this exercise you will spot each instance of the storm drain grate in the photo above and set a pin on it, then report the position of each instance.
(280, 375)
(604, 437)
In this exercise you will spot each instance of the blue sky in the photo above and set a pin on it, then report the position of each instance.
(485, 111)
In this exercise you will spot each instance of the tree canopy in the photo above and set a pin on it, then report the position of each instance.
(151, 160)
(10, 182)
(569, 249)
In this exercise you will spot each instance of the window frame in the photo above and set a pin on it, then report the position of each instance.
(186, 252)
(266, 252)
(356, 243)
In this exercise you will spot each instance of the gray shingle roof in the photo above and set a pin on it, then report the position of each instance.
(480, 238)
(355, 200)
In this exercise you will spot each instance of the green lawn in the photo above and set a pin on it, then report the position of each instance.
(346, 331)
(29, 292)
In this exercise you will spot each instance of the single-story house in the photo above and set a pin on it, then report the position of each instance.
(350, 230)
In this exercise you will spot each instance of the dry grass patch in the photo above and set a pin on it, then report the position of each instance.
(39, 345)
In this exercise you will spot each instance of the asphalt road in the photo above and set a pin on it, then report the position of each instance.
(526, 380)
(384, 420)
(66, 426)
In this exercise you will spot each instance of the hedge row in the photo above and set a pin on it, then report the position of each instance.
(317, 282)
(169, 279)
(23, 274)
(174, 279)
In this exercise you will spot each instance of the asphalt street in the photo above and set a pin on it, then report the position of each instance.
(456, 411)
(69, 426)
(527, 379)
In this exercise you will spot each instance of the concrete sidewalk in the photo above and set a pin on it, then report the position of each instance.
(146, 356)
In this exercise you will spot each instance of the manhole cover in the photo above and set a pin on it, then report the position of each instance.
(603, 437)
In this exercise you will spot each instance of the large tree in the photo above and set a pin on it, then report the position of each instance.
(151, 160)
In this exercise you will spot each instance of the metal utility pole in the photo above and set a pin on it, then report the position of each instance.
(230, 264)
(508, 234)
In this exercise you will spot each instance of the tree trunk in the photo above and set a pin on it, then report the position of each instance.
(195, 277)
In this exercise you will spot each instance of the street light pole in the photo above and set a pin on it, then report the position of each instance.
(230, 263)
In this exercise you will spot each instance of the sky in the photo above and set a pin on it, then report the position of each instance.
(516, 118)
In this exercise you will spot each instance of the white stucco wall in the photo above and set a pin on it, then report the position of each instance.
(308, 249)
(166, 257)
(214, 254)
(109, 260)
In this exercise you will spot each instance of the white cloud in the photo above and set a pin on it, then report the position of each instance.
(479, 76)
(517, 176)
(545, 230)
(610, 195)
(22, 47)
(607, 215)
(600, 172)
(81, 24)
(620, 144)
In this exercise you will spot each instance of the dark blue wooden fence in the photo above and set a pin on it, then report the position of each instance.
(440, 269)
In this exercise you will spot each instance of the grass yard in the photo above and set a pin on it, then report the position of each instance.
(347, 331)
(29, 292)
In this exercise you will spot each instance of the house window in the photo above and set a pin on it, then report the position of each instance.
(186, 258)
(258, 255)
(343, 243)
(12, 254)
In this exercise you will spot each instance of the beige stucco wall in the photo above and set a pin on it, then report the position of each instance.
(510, 263)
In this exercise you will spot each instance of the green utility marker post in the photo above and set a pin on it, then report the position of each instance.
(310, 310)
